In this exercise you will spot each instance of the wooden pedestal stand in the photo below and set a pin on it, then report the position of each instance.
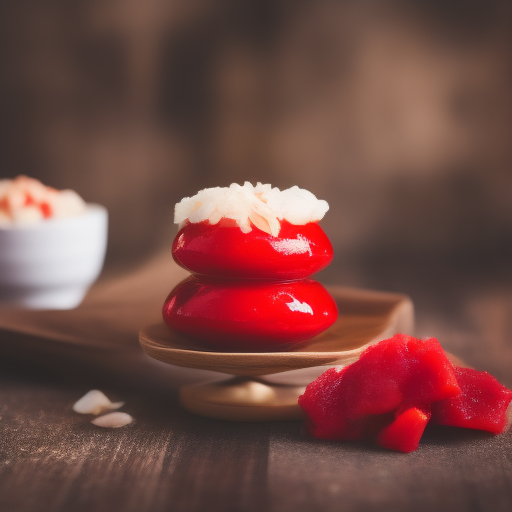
(365, 317)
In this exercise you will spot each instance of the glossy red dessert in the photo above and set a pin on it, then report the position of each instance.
(241, 316)
(222, 250)
(251, 250)
(390, 393)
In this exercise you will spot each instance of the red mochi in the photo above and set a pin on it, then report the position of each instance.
(222, 250)
(243, 316)
(482, 404)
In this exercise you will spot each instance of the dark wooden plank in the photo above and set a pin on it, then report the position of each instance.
(52, 459)
(453, 470)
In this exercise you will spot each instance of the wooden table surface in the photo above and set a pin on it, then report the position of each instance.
(52, 459)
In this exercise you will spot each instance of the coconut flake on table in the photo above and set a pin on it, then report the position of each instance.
(95, 402)
(26, 201)
(112, 420)
(262, 206)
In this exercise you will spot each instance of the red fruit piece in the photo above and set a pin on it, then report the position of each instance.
(481, 405)
(405, 432)
(402, 372)
(325, 408)
(222, 250)
(46, 210)
(249, 316)
(322, 402)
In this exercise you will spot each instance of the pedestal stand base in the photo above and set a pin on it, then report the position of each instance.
(243, 399)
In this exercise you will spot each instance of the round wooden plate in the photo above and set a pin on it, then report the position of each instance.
(365, 317)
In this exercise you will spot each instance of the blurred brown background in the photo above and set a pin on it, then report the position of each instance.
(398, 113)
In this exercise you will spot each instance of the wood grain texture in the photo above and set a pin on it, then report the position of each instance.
(54, 460)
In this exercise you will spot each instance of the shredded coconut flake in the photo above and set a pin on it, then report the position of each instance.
(262, 206)
(112, 420)
(95, 402)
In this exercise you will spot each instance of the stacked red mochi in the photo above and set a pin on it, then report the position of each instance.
(395, 388)
(251, 251)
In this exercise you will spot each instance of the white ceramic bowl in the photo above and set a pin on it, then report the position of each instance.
(52, 264)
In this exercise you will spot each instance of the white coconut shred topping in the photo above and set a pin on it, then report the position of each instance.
(262, 206)
(95, 402)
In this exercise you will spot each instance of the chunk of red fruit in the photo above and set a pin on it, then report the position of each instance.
(482, 404)
(322, 402)
(389, 395)
(400, 371)
(356, 402)
(405, 432)
(46, 210)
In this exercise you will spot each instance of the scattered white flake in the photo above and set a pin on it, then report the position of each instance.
(112, 420)
(262, 206)
(95, 402)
